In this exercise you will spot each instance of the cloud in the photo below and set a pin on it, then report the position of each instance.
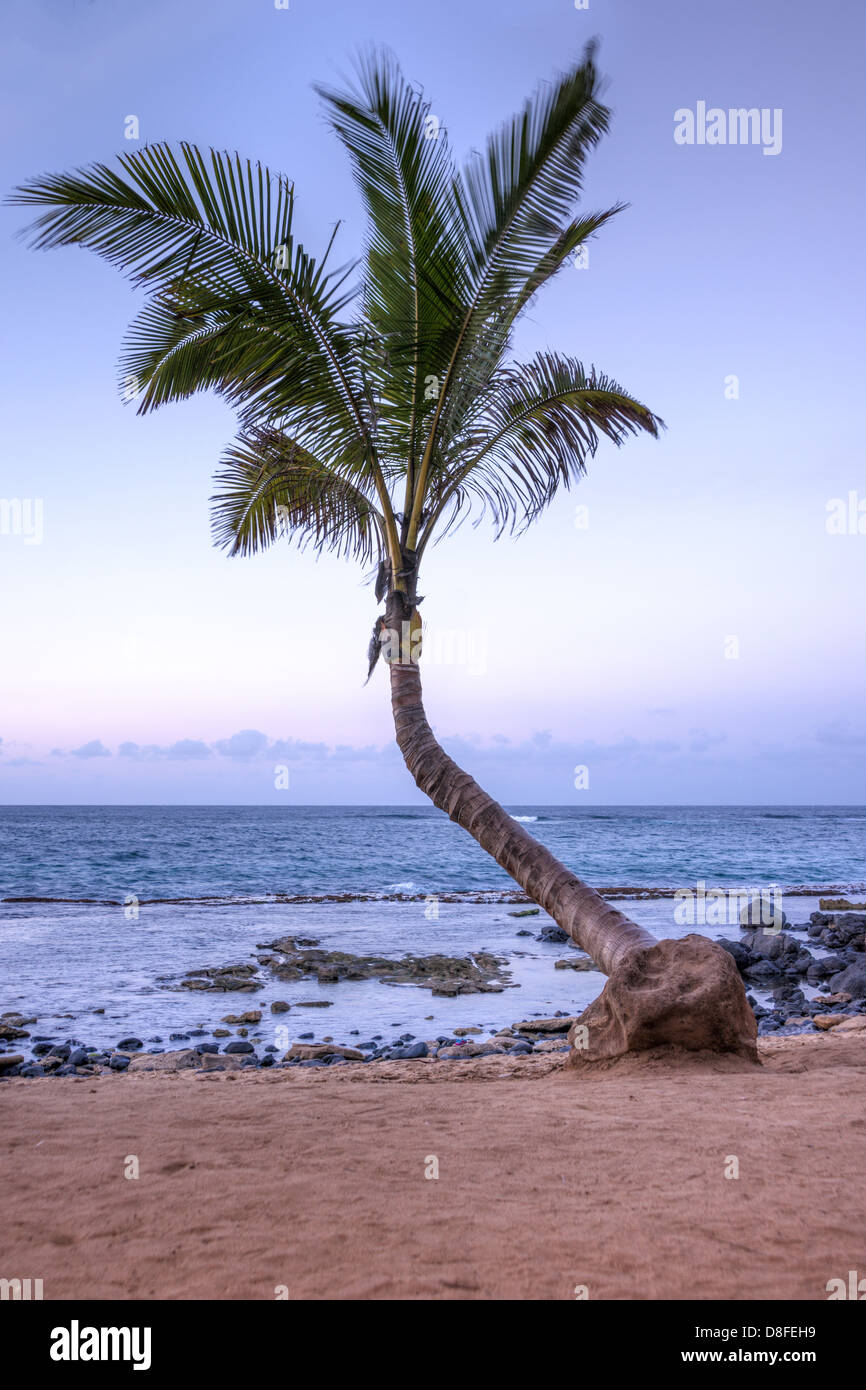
(184, 748)
(188, 748)
(249, 743)
(93, 749)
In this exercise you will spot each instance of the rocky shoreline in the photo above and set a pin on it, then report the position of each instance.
(779, 962)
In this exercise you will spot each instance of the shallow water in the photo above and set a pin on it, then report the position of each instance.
(63, 961)
(235, 866)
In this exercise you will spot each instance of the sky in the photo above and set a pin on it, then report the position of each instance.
(684, 627)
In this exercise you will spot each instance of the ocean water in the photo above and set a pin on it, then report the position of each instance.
(107, 907)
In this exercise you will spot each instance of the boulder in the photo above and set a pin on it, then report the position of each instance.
(418, 1049)
(851, 980)
(546, 1025)
(181, 1060)
(311, 1052)
(221, 1061)
(741, 953)
(554, 934)
(762, 911)
(763, 972)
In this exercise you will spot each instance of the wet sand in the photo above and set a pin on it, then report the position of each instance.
(550, 1180)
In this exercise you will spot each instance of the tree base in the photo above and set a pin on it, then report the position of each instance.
(683, 993)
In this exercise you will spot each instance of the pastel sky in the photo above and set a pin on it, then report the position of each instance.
(700, 639)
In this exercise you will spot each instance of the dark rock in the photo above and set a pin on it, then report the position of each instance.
(553, 934)
(119, 1062)
(852, 981)
(32, 1070)
(418, 1049)
(78, 1058)
(742, 956)
(207, 1047)
(822, 969)
(239, 1047)
(761, 911)
(762, 971)
(130, 1045)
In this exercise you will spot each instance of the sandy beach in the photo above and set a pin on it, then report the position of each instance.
(551, 1181)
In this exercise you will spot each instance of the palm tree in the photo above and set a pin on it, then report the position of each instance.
(372, 431)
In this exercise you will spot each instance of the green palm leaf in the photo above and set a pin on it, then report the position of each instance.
(534, 431)
(270, 486)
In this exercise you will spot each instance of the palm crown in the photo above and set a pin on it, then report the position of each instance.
(371, 415)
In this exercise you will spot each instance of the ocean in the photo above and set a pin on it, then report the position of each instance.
(106, 908)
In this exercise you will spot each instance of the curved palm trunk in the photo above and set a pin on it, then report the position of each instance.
(605, 933)
(685, 992)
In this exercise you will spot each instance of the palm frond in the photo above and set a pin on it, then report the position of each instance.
(516, 204)
(270, 486)
(536, 427)
(415, 283)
